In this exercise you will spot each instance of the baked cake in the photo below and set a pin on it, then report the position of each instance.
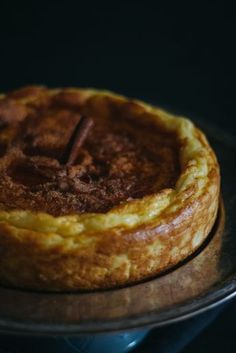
(98, 190)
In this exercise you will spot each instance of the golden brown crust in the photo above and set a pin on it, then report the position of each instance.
(133, 241)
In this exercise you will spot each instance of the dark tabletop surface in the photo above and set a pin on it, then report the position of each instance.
(213, 332)
(219, 337)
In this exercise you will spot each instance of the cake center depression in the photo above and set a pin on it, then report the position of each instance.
(120, 158)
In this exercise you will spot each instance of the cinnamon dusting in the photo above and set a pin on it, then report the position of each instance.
(51, 166)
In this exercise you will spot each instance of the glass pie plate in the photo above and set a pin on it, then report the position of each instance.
(201, 282)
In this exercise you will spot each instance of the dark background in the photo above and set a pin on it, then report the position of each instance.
(172, 53)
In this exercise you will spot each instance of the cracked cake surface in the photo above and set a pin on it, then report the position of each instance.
(140, 194)
(121, 159)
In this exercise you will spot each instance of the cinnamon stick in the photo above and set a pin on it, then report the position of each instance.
(77, 139)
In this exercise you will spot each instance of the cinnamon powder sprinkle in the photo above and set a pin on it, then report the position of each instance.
(60, 161)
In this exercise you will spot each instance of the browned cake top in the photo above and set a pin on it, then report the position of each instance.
(120, 159)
